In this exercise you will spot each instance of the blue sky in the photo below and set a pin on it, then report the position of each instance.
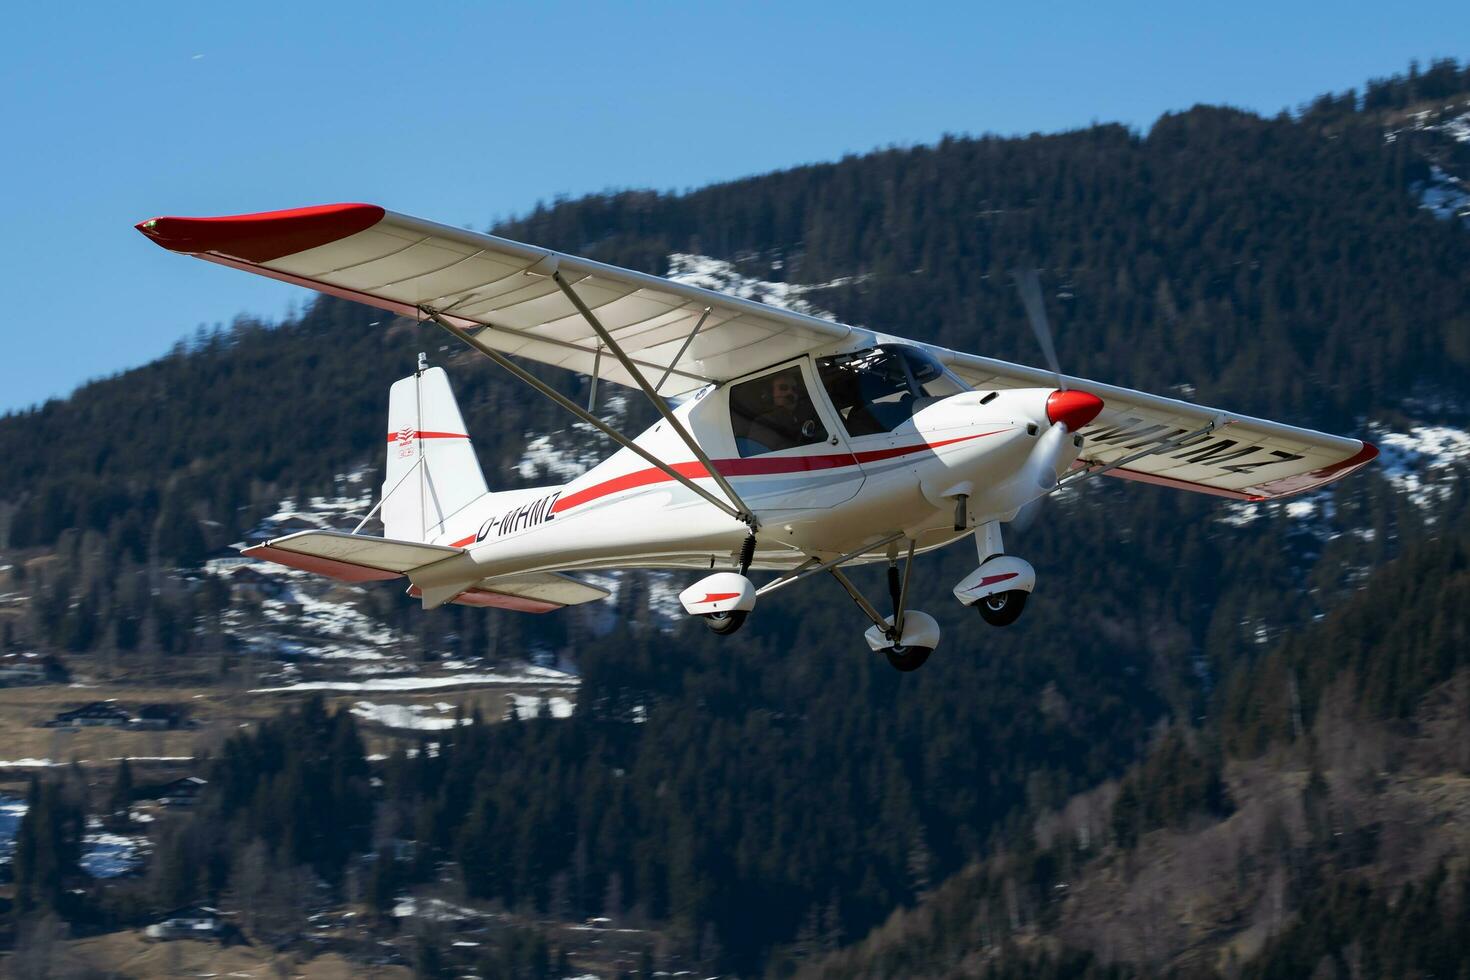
(467, 112)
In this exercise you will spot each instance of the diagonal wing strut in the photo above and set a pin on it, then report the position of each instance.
(744, 513)
(520, 373)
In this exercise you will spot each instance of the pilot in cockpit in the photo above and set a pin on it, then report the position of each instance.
(788, 422)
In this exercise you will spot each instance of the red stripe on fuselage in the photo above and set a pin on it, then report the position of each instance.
(758, 466)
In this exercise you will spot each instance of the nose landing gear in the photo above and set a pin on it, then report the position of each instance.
(908, 636)
(999, 587)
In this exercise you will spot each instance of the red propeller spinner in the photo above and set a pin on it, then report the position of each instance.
(1074, 409)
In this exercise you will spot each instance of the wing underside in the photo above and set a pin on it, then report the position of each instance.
(505, 291)
(1178, 444)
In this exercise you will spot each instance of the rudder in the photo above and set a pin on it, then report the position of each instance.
(432, 472)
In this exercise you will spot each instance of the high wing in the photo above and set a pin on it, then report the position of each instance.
(1161, 440)
(404, 264)
(504, 293)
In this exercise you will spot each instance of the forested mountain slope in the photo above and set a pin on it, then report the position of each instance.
(775, 795)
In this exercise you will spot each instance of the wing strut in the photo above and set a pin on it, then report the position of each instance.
(685, 346)
(743, 512)
(812, 565)
(578, 410)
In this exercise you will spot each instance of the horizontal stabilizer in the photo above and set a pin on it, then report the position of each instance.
(553, 587)
(534, 592)
(349, 557)
(364, 558)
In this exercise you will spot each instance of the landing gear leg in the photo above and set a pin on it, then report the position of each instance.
(988, 541)
(907, 637)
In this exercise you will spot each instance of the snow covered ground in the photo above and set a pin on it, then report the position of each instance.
(104, 854)
(529, 676)
(420, 717)
(108, 855)
(529, 706)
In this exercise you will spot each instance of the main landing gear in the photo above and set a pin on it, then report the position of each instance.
(725, 623)
(998, 590)
(723, 600)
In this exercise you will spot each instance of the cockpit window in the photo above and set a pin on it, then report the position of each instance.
(772, 413)
(878, 389)
(931, 376)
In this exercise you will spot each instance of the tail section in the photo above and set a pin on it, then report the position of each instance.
(432, 472)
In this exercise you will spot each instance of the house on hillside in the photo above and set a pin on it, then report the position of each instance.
(182, 792)
(16, 672)
(189, 922)
(249, 580)
(161, 717)
(96, 714)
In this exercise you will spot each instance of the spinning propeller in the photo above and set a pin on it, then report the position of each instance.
(1067, 411)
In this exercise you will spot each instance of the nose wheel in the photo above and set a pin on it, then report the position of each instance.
(725, 623)
(1002, 608)
(907, 658)
(908, 637)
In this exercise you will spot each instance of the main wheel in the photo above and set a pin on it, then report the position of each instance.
(725, 623)
(907, 658)
(1003, 608)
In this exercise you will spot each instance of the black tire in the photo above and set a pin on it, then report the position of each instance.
(907, 658)
(725, 623)
(1003, 608)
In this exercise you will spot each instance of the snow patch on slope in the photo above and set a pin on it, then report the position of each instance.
(724, 277)
(529, 706)
(420, 717)
(1423, 463)
(566, 454)
(1444, 194)
(531, 676)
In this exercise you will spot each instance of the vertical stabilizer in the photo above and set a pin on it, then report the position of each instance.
(432, 472)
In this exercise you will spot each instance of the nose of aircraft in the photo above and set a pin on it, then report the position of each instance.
(1074, 409)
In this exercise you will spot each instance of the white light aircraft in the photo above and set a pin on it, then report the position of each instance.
(785, 443)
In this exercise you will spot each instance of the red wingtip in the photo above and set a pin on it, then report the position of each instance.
(262, 237)
(1074, 409)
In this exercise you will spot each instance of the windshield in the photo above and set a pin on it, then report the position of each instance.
(878, 389)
